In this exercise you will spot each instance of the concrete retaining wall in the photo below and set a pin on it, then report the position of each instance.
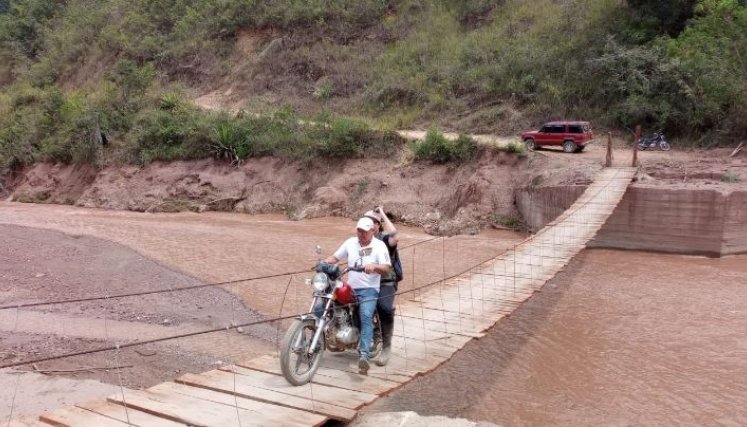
(689, 221)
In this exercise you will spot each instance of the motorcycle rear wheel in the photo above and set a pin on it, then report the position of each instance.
(299, 365)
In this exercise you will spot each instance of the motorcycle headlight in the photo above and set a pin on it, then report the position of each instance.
(319, 282)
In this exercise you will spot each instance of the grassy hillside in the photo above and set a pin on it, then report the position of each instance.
(76, 70)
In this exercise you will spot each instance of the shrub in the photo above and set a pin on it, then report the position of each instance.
(174, 134)
(515, 147)
(730, 177)
(324, 91)
(437, 148)
(507, 221)
(342, 138)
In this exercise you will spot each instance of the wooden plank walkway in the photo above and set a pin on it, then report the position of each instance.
(431, 325)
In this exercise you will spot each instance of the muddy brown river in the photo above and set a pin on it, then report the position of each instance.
(617, 338)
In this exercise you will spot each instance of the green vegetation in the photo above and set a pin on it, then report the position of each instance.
(516, 147)
(508, 222)
(731, 177)
(78, 72)
(437, 148)
(686, 79)
(179, 130)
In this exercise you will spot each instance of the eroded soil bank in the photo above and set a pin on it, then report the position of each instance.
(445, 199)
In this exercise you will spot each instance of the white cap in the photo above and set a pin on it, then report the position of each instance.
(365, 224)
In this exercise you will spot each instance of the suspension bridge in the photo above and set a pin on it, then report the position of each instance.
(432, 323)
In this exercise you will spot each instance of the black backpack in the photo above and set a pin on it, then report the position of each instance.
(394, 256)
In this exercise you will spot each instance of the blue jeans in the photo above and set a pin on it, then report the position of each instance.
(367, 298)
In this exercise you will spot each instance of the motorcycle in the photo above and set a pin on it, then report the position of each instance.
(654, 141)
(336, 329)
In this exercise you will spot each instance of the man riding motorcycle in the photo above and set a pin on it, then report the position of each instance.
(372, 254)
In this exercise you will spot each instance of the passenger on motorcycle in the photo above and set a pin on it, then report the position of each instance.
(370, 253)
(385, 231)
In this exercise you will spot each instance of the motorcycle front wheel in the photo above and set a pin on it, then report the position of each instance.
(664, 146)
(297, 362)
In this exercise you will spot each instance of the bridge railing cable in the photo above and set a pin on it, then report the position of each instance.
(162, 291)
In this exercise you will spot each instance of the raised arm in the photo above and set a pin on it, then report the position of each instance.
(387, 226)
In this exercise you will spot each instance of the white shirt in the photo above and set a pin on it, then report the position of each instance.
(379, 254)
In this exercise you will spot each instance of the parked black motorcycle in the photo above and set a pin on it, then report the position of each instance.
(657, 140)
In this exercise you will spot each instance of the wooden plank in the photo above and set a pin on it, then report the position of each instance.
(410, 348)
(415, 311)
(466, 327)
(414, 348)
(317, 391)
(240, 385)
(473, 306)
(127, 415)
(200, 412)
(410, 367)
(420, 351)
(336, 373)
(428, 329)
(467, 308)
(486, 311)
(24, 422)
(74, 416)
(273, 414)
(418, 332)
(346, 380)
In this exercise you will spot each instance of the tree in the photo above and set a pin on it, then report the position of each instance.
(663, 17)
(23, 23)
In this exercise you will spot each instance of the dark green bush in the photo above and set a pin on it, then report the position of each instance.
(174, 134)
(43, 124)
(178, 130)
(341, 138)
(437, 148)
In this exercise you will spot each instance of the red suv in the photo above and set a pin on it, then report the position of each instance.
(572, 136)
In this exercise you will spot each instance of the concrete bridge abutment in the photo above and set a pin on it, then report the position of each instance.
(697, 221)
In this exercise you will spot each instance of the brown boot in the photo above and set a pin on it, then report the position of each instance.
(363, 366)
